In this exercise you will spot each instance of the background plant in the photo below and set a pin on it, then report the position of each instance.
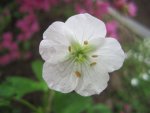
(22, 89)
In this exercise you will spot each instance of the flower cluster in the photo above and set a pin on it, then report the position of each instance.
(8, 46)
(27, 24)
(35, 5)
(99, 9)
(112, 27)
(96, 8)
(126, 6)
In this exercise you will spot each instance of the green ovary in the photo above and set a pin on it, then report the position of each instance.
(79, 52)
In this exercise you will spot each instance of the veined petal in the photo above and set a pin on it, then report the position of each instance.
(59, 76)
(56, 40)
(86, 27)
(93, 80)
(58, 33)
(97, 42)
(110, 55)
(52, 52)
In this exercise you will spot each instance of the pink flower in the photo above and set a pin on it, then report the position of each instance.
(7, 39)
(7, 36)
(79, 9)
(126, 7)
(5, 59)
(102, 8)
(14, 46)
(85, 6)
(28, 26)
(28, 23)
(32, 5)
(21, 37)
(112, 27)
(97, 8)
(6, 44)
(15, 55)
(132, 9)
(120, 3)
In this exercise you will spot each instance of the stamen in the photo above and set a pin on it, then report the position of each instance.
(69, 48)
(94, 56)
(78, 74)
(93, 64)
(86, 42)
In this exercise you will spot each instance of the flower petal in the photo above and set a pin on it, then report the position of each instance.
(110, 55)
(93, 80)
(56, 41)
(52, 52)
(85, 27)
(58, 33)
(59, 76)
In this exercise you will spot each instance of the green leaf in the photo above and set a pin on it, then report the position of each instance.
(37, 66)
(99, 108)
(19, 86)
(71, 103)
(4, 102)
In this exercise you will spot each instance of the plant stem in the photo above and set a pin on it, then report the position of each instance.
(27, 104)
(50, 96)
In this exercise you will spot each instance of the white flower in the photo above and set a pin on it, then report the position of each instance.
(78, 56)
(134, 81)
(145, 76)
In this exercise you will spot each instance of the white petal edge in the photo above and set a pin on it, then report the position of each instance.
(59, 77)
(110, 55)
(86, 27)
(58, 33)
(93, 80)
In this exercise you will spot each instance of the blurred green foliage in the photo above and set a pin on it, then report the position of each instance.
(135, 98)
(137, 65)
(18, 87)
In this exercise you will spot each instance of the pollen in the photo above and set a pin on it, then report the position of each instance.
(94, 56)
(93, 64)
(69, 48)
(78, 74)
(86, 42)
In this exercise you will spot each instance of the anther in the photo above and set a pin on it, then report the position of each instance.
(78, 74)
(93, 64)
(86, 42)
(69, 48)
(94, 56)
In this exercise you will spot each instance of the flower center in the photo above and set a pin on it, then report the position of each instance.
(80, 52)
